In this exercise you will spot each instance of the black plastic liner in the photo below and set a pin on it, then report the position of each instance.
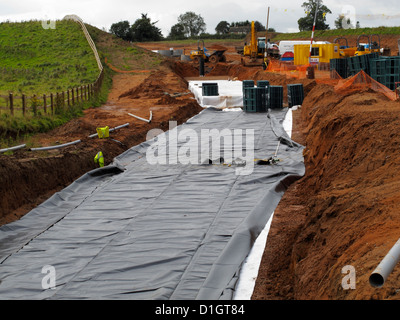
(136, 230)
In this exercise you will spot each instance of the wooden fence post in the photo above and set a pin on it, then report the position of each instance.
(11, 103)
(23, 104)
(57, 106)
(52, 103)
(87, 92)
(44, 104)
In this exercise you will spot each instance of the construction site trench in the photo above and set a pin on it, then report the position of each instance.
(344, 211)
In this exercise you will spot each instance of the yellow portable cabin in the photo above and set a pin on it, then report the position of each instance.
(320, 53)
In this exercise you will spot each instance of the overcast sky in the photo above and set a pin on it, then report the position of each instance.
(283, 14)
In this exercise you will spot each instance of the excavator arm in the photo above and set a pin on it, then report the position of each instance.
(253, 43)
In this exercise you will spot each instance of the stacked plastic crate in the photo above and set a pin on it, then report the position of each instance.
(392, 72)
(255, 99)
(358, 63)
(295, 94)
(261, 97)
(386, 70)
(209, 89)
(246, 84)
(262, 84)
(341, 67)
(378, 70)
(275, 97)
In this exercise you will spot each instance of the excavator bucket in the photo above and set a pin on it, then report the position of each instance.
(251, 62)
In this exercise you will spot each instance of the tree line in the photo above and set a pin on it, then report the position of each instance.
(189, 25)
(192, 25)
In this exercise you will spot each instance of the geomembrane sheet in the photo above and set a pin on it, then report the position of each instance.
(137, 229)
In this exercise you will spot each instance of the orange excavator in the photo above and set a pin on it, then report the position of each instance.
(253, 53)
(259, 51)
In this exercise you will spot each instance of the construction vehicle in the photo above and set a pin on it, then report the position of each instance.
(214, 57)
(253, 54)
(260, 50)
(345, 51)
(370, 46)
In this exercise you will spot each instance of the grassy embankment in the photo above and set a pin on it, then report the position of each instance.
(37, 61)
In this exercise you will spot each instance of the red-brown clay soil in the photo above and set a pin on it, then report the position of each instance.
(345, 210)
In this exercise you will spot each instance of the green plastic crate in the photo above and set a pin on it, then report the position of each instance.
(378, 67)
(341, 67)
(247, 84)
(295, 94)
(209, 89)
(255, 99)
(262, 84)
(275, 97)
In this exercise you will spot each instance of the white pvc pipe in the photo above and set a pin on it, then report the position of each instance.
(111, 130)
(145, 120)
(13, 148)
(56, 147)
(93, 135)
(382, 271)
(119, 127)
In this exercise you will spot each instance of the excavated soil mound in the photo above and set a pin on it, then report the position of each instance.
(167, 99)
(344, 212)
(151, 87)
(182, 69)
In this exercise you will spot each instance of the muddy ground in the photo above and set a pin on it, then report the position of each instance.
(343, 212)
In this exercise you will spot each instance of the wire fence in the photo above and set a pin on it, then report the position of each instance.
(53, 103)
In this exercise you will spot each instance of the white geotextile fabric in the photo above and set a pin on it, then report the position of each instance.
(230, 93)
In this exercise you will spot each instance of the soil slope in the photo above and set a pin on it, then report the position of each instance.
(345, 210)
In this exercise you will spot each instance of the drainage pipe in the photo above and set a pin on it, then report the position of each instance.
(13, 148)
(119, 127)
(111, 130)
(56, 147)
(382, 271)
(148, 121)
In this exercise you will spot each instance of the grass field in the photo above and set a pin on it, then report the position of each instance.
(338, 32)
(37, 61)
(34, 60)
